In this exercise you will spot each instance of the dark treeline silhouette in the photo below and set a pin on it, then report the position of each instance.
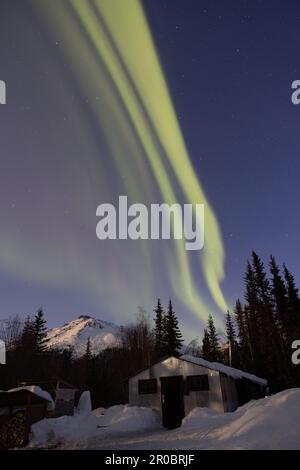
(105, 374)
(261, 329)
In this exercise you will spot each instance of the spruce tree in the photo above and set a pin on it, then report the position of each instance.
(280, 296)
(244, 344)
(215, 354)
(254, 314)
(293, 320)
(293, 305)
(89, 361)
(32, 346)
(260, 317)
(172, 334)
(232, 359)
(206, 351)
(251, 313)
(159, 330)
(230, 330)
(40, 332)
(281, 307)
(27, 341)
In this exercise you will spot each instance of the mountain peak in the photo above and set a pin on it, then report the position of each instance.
(75, 334)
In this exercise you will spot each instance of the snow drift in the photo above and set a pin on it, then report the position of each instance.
(269, 423)
(82, 429)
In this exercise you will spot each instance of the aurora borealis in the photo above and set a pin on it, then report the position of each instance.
(96, 115)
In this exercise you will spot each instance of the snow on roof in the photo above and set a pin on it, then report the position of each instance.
(37, 391)
(230, 371)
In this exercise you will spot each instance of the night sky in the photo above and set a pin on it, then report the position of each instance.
(229, 66)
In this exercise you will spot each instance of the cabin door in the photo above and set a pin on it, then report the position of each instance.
(172, 401)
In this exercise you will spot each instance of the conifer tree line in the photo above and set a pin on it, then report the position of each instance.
(261, 328)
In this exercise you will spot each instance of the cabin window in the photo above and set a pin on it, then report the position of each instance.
(197, 383)
(147, 386)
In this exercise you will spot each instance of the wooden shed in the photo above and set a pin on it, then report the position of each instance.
(19, 409)
(176, 385)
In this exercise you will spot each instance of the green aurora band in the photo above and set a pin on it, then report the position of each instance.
(111, 50)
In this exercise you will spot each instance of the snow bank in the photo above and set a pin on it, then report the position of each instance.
(78, 430)
(269, 423)
(37, 391)
(230, 371)
(54, 431)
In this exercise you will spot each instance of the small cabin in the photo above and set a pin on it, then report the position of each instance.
(176, 385)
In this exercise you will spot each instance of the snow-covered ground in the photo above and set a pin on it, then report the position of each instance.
(269, 423)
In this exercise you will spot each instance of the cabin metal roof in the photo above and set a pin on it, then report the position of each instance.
(199, 361)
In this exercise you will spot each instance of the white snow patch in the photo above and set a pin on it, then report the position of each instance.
(84, 404)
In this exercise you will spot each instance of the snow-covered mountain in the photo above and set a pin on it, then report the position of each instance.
(75, 335)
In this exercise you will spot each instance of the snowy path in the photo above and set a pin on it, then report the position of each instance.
(160, 439)
(197, 432)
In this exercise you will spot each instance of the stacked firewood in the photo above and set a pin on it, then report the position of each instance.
(13, 433)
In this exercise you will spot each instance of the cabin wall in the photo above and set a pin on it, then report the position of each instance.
(229, 393)
(172, 367)
(150, 400)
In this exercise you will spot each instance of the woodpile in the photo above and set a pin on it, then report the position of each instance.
(13, 433)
